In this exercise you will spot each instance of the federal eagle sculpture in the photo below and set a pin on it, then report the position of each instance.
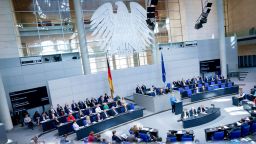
(121, 33)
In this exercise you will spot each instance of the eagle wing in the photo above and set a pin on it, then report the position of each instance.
(144, 36)
(102, 22)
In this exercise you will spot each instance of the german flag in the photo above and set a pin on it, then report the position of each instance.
(110, 81)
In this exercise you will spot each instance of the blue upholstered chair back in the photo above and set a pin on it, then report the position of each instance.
(216, 86)
(222, 85)
(230, 85)
(181, 90)
(189, 92)
(186, 88)
(130, 106)
(200, 85)
(218, 135)
(253, 127)
(187, 138)
(171, 139)
(144, 137)
(219, 82)
(168, 85)
(212, 82)
(235, 134)
(206, 84)
(245, 130)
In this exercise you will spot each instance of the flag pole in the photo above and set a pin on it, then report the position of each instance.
(110, 81)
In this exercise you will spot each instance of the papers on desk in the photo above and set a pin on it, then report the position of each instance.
(179, 132)
(145, 129)
(238, 123)
(225, 127)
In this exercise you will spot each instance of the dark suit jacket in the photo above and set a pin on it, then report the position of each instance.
(74, 107)
(116, 139)
(192, 112)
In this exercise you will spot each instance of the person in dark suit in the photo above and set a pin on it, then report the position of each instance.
(81, 105)
(106, 97)
(184, 114)
(192, 111)
(138, 89)
(116, 138)
(88, 102)
(144, 89)
(201, 109)
(94, 102)
(67, 109)
(100, 100)
(74, 106)
(60, 110)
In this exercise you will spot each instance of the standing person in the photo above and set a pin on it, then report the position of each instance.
(173, 101)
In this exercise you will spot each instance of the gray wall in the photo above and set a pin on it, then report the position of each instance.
(8, 39)
(17, 77)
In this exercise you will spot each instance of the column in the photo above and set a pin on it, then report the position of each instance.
(82, 37)
(5, 116)
(222, 44)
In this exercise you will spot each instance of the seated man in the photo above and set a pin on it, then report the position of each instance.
(116, 138)
(81, 105)
(184, 114)
(138, 89)
(201, 109)
(70, 117)
(28, 121)
(60, 110)
(192, 112)
(52, 111)
(67, 109)
(106, 97)
(74, 106)
(100, 100)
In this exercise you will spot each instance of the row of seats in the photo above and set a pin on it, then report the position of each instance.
(236, 130)
(207, 88)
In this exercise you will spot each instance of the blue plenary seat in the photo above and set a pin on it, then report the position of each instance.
(152, 94)
(235, 134)
(171, 139)
(187, 138)
(189, 92)
(216, 86)
(144, 137)
(222, 85)
(253, 127)
(168, 85)
(218, 136)
(206, 84)
(245, 130)
(212, 82)
(181, 90)
(200, 85)
(186, 88)
(229, 85)
(209, 88)
(130, 106)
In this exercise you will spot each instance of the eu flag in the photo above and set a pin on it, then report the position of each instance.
(163, 68)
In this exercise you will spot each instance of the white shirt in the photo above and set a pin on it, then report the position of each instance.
(27, 119)
(98, 110)
(75, 126)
